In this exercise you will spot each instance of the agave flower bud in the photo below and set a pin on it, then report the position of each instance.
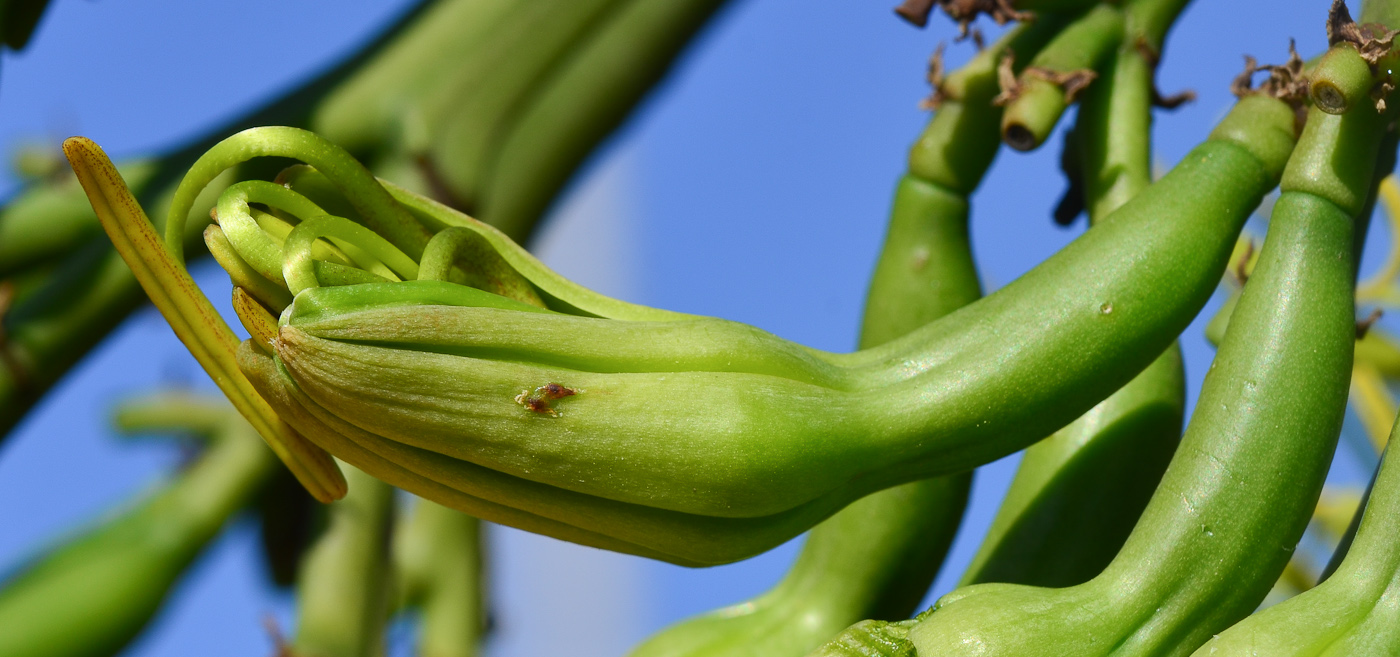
(430, 350)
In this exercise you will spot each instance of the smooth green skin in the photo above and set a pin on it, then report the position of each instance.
(584, 98)
(636, 528)
(1354, 613)
(1028, 119)
(1377, 348)
(1150, 20)
(681, 538)
(1077, 494)
(1242, 487)
(381, 104)
(93, 594)
(343, 586)
(982, 382)
(438, 566)
(1114, 133)
(263, 372)
(876, 557)
(473, 124)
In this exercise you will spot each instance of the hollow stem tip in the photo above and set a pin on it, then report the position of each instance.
(1031, 117)
(192, 316)
(1343, 80)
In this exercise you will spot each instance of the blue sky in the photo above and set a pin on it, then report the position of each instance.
(753, 186)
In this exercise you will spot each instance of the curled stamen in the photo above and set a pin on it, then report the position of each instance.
(483, 267)
(253, 245)
(299, 269)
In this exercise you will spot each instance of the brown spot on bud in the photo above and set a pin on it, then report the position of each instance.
(539, 400)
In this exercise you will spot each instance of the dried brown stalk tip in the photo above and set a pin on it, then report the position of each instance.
(915, 11)
(1006, 79)
(1364, 326)
(1153, 58)
(962, 11)
(1173, 101)
(1372, 40)
(1072, 82)
(1286, 83)
(935, 80)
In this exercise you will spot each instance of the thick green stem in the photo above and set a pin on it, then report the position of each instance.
(1046, 88)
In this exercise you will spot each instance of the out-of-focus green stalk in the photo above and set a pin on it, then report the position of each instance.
(438, 560)
(342, 592)
(95, 592)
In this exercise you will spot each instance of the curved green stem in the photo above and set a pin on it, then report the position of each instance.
(241, 274)
(377, 208)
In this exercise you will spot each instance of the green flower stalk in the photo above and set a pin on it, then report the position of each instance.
(1077, 494)
(343, 587)
(94, 593)
(1242, 486)
(1353, 612)
(491, 106)
(438, 566)
(877, 557)
(1036, 98)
